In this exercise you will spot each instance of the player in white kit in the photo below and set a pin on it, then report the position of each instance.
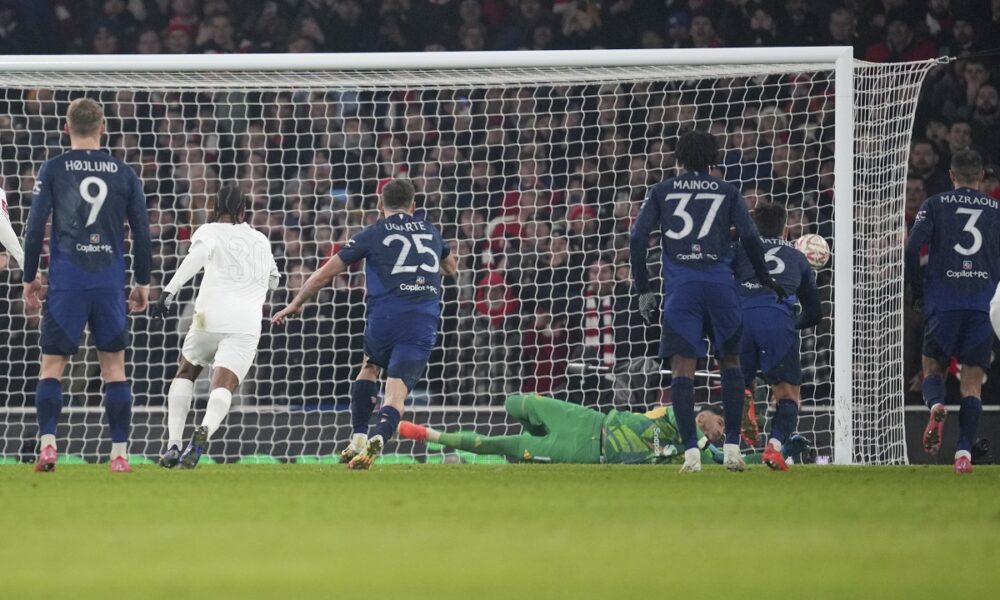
(8, 239)
(239, 271)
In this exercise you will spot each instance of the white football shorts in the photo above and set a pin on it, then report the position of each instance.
(232, 351)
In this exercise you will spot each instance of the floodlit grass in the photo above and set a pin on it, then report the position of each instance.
(511, 531)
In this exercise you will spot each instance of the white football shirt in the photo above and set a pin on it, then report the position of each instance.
(238, 273)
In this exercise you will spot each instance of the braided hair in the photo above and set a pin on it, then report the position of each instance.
(230, 201)
(697, 151)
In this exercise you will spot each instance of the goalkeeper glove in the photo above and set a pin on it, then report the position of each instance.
(163, 306)
(772, 285)
(647, 307)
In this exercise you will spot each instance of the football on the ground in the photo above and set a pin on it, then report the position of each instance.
(815, 248)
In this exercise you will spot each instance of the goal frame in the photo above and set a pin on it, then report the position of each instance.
(839, 59)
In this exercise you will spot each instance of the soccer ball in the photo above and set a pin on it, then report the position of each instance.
(815, 248)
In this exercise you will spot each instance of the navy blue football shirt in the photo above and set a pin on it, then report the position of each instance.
(402, 264)
(962, 229)
(90, 195)
(694, 213)
(790, 269)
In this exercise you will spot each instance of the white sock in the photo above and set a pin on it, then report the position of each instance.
(731, 451)
(433, 435)
(692, 455)
(218, 407)
(358, 441)
(47, 439)
(178, 405)
(775, 443)
(119, 449)
(962, 453)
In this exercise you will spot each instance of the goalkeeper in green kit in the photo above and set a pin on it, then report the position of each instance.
(561, 432)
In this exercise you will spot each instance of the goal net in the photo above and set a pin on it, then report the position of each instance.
(533, 172)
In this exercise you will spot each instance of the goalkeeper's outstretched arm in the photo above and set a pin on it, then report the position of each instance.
(8, 239)
(317, 281)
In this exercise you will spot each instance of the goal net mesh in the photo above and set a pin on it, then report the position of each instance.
(533, 174)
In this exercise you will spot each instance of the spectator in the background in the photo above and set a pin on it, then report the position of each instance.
(959, 138)
(900, 44)
(529, 14)
(545, 348)
(678, 31)
(916, 193)
(148, 42)
(985, 119)
(218, 35)
(179, 37)
(924, 163)
(105, 40)
(797, 26)
(13, 37)
(703, 33)
(843, 30)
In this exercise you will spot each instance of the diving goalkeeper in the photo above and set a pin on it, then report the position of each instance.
(560, 432)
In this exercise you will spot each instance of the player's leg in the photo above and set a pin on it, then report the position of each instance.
(108, 324)
(233, 357)
(725, 324)
(117, 407)
(539, 415)
(940, 338)
(48, 406)
(968, 415)
(571, 447)
(974, 354)
(364, 396)
(179, 398)
(63, 320)
(410, 348)
(682, 342)
(782, 368)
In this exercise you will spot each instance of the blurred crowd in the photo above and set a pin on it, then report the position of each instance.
(535, 186)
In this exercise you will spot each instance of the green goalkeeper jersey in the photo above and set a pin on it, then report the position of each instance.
(633, 438)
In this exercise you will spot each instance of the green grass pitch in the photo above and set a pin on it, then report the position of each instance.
(512, 531)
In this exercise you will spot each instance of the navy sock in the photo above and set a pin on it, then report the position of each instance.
(682, 399)
(732, 403)
(48, 405)
(388, 420)
(933, 389)
(364, 394)
(118, 408)
(968, 422)
(783, 424)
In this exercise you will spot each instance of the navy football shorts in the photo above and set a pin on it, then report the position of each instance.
(696, 310)
(771, 346)
(401, 344)
(963, 334)
(67, 312)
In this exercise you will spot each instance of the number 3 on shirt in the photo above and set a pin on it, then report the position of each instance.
(681, 211)
(970, 226)
(404, 252)
(96, 201)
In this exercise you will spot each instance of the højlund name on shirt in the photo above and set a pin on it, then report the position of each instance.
(93, 166)
(975, 200)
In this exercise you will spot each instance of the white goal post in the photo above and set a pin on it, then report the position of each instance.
(532, 163)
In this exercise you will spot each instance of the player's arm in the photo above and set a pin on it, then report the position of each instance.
(317, 281)
(142, 247)
(923, 230)
(34, 236)
(449, 263)
(198, 256)
(750, 241)
(808, 294)
(8, 239)
(274, 276)
(995, 312)
(638, 253)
